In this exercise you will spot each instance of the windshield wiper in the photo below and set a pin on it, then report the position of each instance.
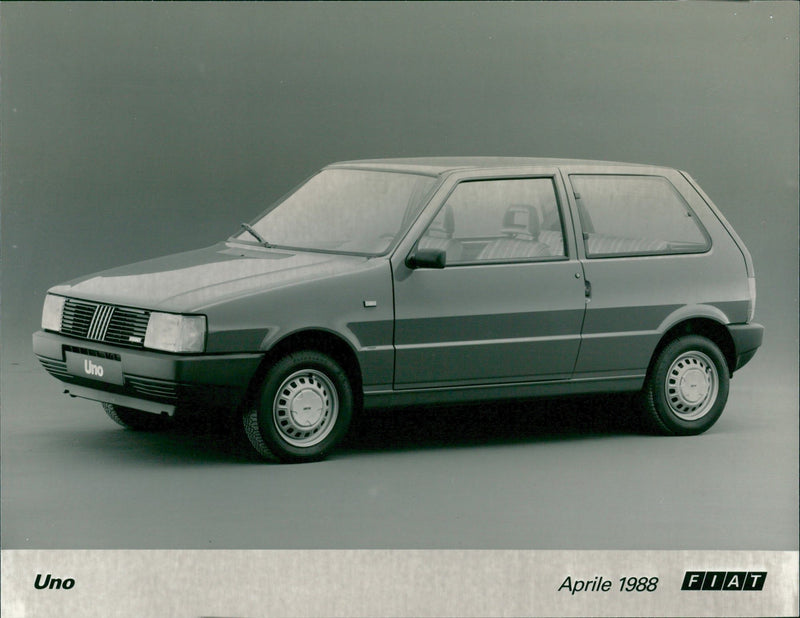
(256, 235)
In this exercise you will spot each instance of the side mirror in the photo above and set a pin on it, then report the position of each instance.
(426, 258)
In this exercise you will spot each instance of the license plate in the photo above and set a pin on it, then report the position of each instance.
(94, 368)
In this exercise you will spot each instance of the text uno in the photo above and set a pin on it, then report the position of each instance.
(53, 583)
(91, 369)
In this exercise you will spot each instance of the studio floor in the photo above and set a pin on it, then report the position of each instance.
(569, 474)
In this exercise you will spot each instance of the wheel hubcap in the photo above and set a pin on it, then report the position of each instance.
(692, 385)
(305, 408)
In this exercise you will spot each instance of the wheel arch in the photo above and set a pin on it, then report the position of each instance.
(320, 340)
(707, 327)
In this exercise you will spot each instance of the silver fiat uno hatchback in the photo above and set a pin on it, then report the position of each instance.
(396, 282)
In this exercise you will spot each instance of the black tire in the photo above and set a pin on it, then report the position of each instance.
(303, 409)
(136, 419)
(687, 387)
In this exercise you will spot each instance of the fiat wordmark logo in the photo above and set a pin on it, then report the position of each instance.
(724, 580)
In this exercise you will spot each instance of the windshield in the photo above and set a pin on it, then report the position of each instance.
(344, 210)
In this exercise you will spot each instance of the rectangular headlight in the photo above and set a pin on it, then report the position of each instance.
(52, 311)
(176, 333)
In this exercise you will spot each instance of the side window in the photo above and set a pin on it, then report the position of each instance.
(635, 215)
(498, 220)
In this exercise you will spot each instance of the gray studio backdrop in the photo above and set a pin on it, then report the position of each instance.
(136, 130)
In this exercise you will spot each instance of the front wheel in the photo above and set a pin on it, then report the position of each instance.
(303, 409)
(687, 387)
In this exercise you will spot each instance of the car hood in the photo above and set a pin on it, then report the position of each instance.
(194, 280)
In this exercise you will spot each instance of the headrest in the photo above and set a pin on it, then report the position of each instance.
(521, 220)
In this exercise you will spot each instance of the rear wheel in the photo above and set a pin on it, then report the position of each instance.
(303, 409)
(687, 388)
(136, 419)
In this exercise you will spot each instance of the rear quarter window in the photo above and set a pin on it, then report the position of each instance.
(635, 215)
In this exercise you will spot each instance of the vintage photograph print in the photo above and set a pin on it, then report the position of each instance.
(400, 309)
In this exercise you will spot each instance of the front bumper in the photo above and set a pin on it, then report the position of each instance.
(747, 339)
(141, 379)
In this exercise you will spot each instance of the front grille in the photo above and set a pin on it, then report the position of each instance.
(127, 327)
(77, 318)
(107, 323)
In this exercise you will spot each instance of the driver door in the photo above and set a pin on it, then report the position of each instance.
(509, 304)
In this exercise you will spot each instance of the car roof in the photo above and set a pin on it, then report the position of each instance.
(440, 165)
